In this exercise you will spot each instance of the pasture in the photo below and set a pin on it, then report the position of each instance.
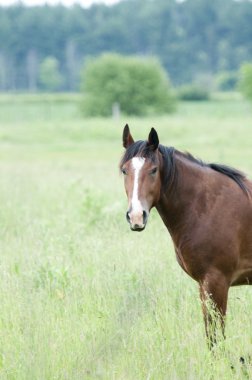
(83, 297)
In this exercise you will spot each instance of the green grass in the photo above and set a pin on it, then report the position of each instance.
(82, 297)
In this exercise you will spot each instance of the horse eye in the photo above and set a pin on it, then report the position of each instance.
(153, 171)
(124, 172)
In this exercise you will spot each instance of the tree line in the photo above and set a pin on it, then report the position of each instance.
(193, 39)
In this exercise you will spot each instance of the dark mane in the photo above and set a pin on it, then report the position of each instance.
(230, 172)
(138, 149)
(141, 149)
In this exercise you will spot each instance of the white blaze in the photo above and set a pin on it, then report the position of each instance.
(137, 163)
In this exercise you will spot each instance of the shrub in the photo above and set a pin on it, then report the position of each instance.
(49, 75)
(245, 82)
(193, 93)
(140, 86)
(227, 80)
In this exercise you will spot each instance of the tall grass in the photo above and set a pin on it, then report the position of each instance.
(82, 297)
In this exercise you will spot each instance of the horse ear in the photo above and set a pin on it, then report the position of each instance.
(153, 140)
(127, 138)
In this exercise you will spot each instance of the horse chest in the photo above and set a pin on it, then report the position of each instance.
(182, 262)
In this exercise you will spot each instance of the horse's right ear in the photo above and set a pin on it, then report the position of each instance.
(127, 138)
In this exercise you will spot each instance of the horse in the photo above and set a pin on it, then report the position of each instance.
(206, 208)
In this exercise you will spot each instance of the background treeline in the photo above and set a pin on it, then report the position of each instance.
(194, 39)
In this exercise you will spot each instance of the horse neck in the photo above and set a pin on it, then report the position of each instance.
(177, 201)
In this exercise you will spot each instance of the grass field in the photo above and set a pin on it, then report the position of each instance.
(83, 297)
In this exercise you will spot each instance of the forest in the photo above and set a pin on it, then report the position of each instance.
(193, 39)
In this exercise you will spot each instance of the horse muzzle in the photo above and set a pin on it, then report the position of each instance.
(137, 220)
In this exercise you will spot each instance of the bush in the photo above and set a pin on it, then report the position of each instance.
(140, 86)
(193, 93)
(227, 80)
(49, 75)
(245, 82)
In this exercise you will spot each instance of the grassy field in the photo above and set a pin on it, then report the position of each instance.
(83, 297)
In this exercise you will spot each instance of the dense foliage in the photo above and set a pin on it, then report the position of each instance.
(191, 38)
(245, 83)
(192, 92)
(49, 76)
(227, 80)
(138, 85)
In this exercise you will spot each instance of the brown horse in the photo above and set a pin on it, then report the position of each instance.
(207, 210)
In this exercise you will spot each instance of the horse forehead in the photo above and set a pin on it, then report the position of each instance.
(137, 163)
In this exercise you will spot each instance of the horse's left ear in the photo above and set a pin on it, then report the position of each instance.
(127, 138)
(153, 140)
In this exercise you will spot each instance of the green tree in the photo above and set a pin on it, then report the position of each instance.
(191, 38)
(139, 85)
(245, 83)
(49, 74)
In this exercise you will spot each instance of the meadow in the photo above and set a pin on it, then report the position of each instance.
(81, 296)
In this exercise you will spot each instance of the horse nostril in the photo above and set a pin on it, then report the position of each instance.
(128, 216)
(145, 216)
